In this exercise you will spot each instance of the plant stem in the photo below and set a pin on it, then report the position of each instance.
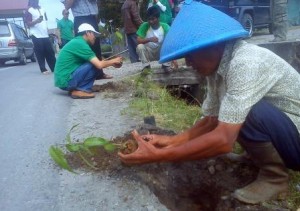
(87, 162)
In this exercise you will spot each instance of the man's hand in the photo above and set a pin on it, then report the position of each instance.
(161, 141)
(153, 39)
(146, 152)
(39, 20)
(117, 62)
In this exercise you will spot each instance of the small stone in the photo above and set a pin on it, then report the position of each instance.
(211, 162)
(211, 170)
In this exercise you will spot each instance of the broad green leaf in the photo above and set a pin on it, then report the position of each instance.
(73, 147)
(68, 138)
(110, 147)
(59, 158)
(94, 141)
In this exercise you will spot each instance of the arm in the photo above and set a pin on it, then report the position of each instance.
(30, 22)
(161, 6)
(135, 15)
(116, 62)
(216, 142)
(141, 40)
(58, 35)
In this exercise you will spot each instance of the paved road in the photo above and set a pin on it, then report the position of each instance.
(32, 117)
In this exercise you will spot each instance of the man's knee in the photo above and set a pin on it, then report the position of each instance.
(140, 48)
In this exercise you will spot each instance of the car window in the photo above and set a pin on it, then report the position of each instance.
(23, 33)
(16, 32)
(4, 30)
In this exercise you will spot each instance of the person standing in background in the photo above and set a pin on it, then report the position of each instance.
(65, 29)
(35, 19)
(86, 11)
(132, 21)
(280, 20)
(165, 10)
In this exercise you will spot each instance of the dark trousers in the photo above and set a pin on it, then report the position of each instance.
(43, 49)
(132, 44)
(90, 19)
(266, 123)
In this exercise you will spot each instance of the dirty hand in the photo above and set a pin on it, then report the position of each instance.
(145, 153)
(117, 62)
(161, 141)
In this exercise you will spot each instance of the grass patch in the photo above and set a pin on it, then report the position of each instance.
(169, 111)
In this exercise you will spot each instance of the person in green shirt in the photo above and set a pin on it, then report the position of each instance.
(150, 38)
(77, 66)
(65, 29)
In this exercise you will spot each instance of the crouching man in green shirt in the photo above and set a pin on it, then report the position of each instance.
(77, 66)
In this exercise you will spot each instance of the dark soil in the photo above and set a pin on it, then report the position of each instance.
(190, 186)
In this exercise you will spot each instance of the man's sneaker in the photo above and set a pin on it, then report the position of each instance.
(81, 95)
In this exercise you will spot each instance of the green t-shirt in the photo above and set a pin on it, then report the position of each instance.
(66, 28)
(72, 55)
(142, 31)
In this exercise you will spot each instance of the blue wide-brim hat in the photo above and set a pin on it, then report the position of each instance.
(198, 26)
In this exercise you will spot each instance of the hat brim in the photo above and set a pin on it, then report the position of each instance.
(198, 26)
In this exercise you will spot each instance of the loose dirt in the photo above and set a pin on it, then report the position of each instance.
(190, 186)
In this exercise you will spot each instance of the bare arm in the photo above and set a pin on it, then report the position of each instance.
(58, 35)
(106, 63)
(146, 40)
(202, 127)
(135, 15)
(218, 141)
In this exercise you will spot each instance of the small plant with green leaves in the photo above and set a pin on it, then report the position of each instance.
(87, 148)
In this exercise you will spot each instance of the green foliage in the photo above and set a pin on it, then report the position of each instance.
(80, 148)
(154, 100)
(59, 158)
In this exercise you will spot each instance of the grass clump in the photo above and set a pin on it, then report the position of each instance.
(170, 112)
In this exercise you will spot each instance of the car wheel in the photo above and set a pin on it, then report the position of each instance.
(22, 59)
(32, 58)
(2, 62)
(247, 23)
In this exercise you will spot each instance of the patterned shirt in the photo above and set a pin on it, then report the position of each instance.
(248, 73)
(84, 8)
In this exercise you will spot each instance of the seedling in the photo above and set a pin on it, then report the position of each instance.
(58, 152)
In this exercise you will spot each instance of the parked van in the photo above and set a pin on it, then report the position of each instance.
(15, 44)
(252, 14)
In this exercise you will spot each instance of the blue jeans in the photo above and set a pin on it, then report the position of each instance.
(83, 78)
(266, 123)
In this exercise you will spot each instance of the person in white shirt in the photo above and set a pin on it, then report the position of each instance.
(36, 18)
(150, 38)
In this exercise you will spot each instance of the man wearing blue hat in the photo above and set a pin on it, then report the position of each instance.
(253, 97)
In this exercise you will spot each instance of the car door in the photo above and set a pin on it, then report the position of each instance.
(262, 12)
(28, 45)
